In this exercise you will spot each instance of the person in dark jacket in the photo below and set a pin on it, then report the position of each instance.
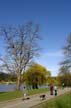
(51, 89)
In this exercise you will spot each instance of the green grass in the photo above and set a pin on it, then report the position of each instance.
(10, 95)
(36, 91)
(59, 102)
(17, 94)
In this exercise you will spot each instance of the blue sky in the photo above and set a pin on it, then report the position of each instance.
(54, 18)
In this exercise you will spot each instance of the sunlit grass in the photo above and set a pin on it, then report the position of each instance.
(59, 102)
(19, 94)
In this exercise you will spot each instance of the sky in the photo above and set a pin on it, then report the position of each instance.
(54, 19)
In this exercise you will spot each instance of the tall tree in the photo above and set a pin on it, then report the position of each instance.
(21, 47)
(64, 76)
(65, 69)
(67, 53)
(36, 75)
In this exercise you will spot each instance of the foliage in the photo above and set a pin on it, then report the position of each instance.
(52, 80)
(65, 69)
(64, 76)
(36, 75)
(7, 77)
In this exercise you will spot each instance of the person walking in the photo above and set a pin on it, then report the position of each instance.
(55, 90)
(51, 89)
(63, 85)
(24, 93)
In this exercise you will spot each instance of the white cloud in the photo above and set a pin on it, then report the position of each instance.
(53, 54)
(54, 70)
(51, 61)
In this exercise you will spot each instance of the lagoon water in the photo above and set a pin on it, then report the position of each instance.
(8, 87)
(5, 87)
(12, 87)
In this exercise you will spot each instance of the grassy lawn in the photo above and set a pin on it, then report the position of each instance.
(10, 95)
(16, 94)
(59, 102)
(36, 91)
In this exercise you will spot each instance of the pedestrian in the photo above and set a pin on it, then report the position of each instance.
(24, 93)
(51, 89)
(55, 90)
(63, 85)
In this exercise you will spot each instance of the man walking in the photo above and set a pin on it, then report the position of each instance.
(51, 89)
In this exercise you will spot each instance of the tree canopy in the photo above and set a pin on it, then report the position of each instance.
(65, 69)
(67, 53)
(22, 44)
(36, 75)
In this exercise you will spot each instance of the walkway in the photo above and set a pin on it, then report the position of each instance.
(34, 100)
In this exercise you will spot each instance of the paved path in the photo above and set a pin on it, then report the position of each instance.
(34, 100)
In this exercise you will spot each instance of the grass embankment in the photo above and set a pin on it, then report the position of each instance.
(59, 102)
(17, 94)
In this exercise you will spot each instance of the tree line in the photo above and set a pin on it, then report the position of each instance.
(64, 75)
(7, 77)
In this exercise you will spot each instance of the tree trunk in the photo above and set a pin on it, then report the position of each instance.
(18, 84)
(35, 86)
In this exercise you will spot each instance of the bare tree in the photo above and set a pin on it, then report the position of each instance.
(67, 53)
(65, 69)
(21, 47)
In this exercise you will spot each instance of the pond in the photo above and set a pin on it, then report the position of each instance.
(12, 87)
(8, 87)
